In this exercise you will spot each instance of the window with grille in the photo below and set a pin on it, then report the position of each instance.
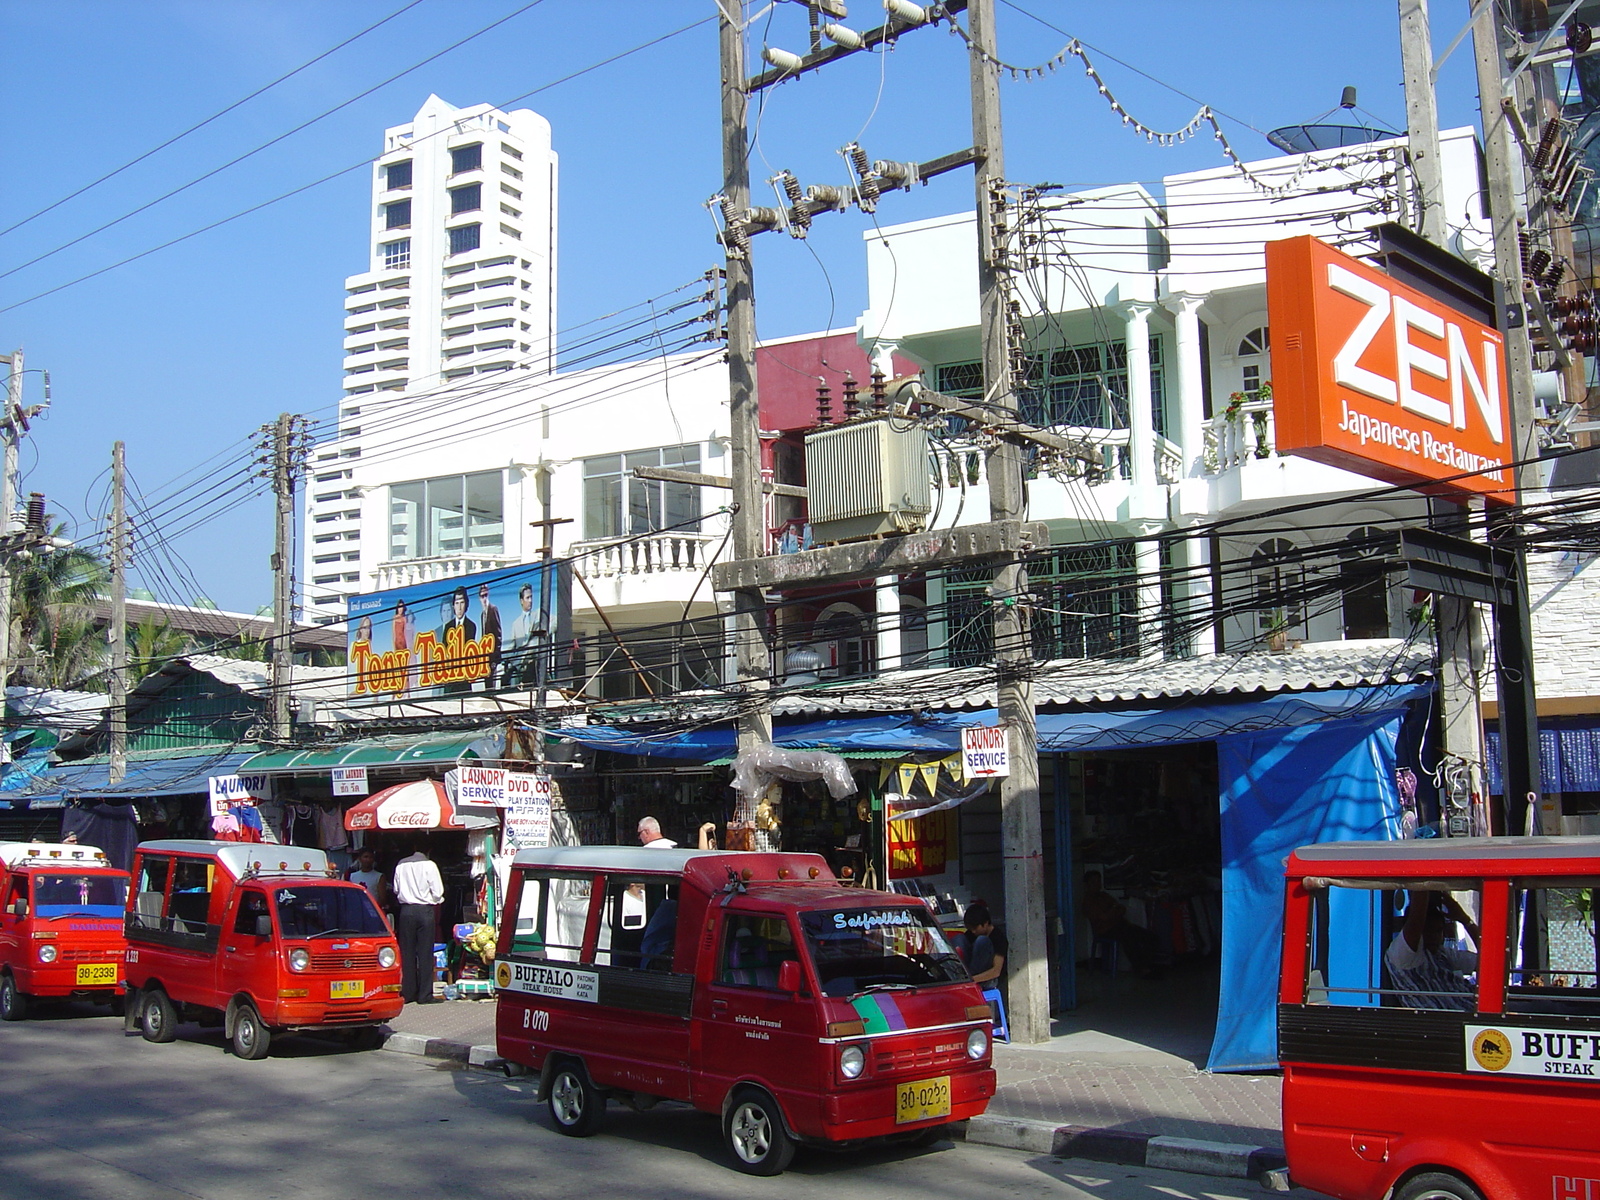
(466, 158)
(397, 175)
(466, 199)
(1279, 578)
(397, 215)
(464, 238)
(1083, 385)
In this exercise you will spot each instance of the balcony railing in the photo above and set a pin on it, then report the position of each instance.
(404, 572)
(652, 554)
(1243, 433)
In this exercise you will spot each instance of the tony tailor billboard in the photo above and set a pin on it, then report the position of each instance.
(473, 633)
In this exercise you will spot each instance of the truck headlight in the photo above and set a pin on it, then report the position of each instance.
(852, 1062)
(386, 957)
(47, 953)
(977, 1043)
(299, 960)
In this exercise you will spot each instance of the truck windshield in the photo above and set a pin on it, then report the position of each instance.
(316, 910)
(866, 949)
(80, 895)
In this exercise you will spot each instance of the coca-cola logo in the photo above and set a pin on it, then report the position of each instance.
(359, 821)
(415, 819)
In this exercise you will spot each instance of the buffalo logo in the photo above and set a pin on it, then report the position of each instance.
(1492, 1050)
(349, 962)
(502, 975)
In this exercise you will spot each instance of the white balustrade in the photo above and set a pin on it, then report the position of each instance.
(1241, 434)
(407, 571)
(653, 554)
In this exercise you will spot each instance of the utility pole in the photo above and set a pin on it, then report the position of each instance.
(541, 665)
(11, 430)
(284, 455)
(1021, 838)
(752, 653)
(117, 630)
(1519, 721)
(1455, 619)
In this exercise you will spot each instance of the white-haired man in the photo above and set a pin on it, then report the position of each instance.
(650, 835)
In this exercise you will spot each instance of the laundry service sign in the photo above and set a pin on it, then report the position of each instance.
(1547, 1053)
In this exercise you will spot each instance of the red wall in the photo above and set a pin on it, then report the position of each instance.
(787, 376)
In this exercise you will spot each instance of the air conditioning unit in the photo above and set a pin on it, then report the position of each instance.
(867, 479)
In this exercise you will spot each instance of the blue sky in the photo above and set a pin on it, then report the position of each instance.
(186, 352)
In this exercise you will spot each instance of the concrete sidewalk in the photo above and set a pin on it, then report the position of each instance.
(1128, 1096)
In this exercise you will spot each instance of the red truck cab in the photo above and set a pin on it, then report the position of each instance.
(60, 925)
(262, 936)
(1439, 1019)
(754, 986)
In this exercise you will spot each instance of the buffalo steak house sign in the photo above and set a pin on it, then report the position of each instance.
(1376, 377)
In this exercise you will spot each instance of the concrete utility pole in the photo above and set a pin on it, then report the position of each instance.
(1519, 722)
(1021, 838)
(751, 648)
(283, 463)
(117, 630)
(1456, 620)
(11, 430)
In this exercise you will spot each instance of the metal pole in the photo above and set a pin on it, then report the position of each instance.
(11, 431)
(282, 599)
(1519, 722)
(752, 654)
(1020, 827)
(117, 630)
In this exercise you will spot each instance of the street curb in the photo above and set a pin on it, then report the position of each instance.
(1197, 1157)
(1224, 1159)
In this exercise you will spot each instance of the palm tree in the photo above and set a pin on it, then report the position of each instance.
(152, 644)
(53, 634)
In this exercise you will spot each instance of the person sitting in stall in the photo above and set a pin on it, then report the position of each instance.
(650, 836)
(1426, 972)
(986, 946)
(1108, 918)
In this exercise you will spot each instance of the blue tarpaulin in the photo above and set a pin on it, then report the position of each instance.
(182, 776)
(1293, 769)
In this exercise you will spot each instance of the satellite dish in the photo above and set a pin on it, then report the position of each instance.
(1321, 134)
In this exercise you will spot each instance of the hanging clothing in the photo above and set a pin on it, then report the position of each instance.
(331, 833)
(300, 826)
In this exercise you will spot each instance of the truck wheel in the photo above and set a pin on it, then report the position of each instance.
(754, 1132)
(13, 1004)
(158, 1020)
(251, 1037)
(1436, 1185)
(576, 1106)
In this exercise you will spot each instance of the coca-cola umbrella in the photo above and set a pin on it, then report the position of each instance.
(420, 804)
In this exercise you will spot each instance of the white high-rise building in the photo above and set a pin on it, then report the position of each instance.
(460, 282)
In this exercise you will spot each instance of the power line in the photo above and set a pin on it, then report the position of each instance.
(220, 113)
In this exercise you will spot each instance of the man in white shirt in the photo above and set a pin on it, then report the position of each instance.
(1426, 972)
(650, 835)
(419, 891)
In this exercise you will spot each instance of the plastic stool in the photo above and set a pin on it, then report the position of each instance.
(996, 1002)
(1107, 953)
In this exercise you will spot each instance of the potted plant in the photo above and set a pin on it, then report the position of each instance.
(1278, 630)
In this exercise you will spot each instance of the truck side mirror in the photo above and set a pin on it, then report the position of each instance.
(789, 976)
(19, 908)
(264, 925)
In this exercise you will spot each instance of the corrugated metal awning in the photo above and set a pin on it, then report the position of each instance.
(399, 751)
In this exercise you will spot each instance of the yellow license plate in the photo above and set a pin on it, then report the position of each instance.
(347, 989)
(97, 974)
(920, 1101)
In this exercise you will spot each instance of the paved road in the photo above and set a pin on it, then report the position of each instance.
(90, 1114)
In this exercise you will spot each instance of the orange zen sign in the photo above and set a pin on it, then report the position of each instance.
(1374, 376)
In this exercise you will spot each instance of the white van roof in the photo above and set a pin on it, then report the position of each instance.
(14, 853)
(238, 858)
(610, 858)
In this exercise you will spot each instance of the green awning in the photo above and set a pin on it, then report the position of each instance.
(404, 750)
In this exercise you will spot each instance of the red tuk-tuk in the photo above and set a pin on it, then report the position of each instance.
(265, 937)
(1439, 1019)
(749, 985)
(60, 925)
